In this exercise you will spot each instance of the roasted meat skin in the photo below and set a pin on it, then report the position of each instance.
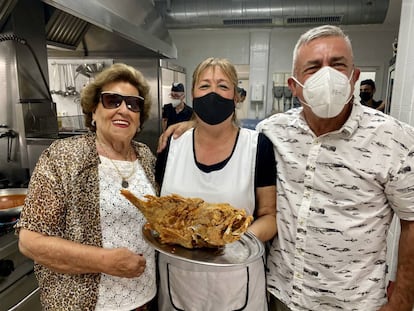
(191, 222)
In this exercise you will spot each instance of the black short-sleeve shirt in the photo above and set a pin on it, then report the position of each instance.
(169, 113)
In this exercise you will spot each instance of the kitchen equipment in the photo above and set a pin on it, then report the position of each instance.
(90, 70)
(18, 285)
(241, 252)
(11, 203)
(54, 85)
(10, 135)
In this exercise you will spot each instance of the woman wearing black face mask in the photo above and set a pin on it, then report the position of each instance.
(218, 162)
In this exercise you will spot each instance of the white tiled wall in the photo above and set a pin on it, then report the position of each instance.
(259, 68)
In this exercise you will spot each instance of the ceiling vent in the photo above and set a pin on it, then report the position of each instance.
(274, 13)
(318, 20)
(65, 30)
(247, 22)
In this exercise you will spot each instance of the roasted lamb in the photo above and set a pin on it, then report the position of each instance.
(191, 222)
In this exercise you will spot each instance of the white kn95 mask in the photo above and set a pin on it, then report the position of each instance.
(326, 92)
(175, 102)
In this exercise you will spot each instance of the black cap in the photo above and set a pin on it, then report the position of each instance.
(241, 91)
(177, 87)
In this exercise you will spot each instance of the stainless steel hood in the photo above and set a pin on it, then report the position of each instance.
(106, 28)
(6, 6)
(269, 13)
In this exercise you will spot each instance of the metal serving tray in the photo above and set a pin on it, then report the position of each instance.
(242, 252)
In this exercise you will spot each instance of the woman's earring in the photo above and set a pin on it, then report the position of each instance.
(93, 123)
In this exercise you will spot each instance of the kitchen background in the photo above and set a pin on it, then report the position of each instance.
(73, 40)
(50, 49)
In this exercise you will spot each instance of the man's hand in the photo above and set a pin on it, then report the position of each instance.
(402, 297)
(176, 130)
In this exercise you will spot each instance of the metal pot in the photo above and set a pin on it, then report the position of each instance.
(90, 70)
(13, 212)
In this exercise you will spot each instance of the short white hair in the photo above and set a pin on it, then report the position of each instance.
(319, 32)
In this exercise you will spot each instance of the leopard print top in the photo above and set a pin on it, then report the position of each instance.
(63, 201)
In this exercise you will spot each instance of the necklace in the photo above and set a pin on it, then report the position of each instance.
(124, 183)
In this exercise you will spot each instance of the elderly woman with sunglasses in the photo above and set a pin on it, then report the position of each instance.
(84, 237)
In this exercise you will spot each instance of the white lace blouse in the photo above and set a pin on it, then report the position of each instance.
(121, 227)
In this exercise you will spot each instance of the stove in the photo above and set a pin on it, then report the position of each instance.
(18, 284)
(7, 227)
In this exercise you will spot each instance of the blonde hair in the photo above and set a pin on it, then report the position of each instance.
(224, 64)
(118, 72)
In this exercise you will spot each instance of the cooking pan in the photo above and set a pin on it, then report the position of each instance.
(11, 203)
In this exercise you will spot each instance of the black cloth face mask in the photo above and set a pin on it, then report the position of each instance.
(213, 108)
(365, 96)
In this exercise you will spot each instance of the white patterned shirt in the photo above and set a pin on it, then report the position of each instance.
(121, 224)
(336, 195)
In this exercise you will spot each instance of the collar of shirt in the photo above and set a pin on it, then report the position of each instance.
(347, 130)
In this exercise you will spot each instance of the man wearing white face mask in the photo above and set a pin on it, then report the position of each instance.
(177, 110)
(342, 173)
(326, 92)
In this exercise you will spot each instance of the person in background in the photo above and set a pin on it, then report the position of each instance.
(84, 237)
(367, 91)
(239, 105)
(343, 171)
(218, 162)
(242, 94)
(177, 110)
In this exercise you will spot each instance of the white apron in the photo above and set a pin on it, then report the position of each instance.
(194, 287)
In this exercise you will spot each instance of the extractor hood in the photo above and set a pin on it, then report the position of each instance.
(127, 28)
(6, 7)
(269, 13)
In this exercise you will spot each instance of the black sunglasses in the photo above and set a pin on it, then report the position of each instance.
(114, 100)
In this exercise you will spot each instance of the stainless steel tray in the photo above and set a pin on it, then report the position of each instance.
(241, 252)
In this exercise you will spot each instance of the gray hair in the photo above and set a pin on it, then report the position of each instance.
(319, 32)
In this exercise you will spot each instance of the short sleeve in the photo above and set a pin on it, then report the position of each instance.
(161, 163)
(400, 191)
(166, 111)
(265, 163)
